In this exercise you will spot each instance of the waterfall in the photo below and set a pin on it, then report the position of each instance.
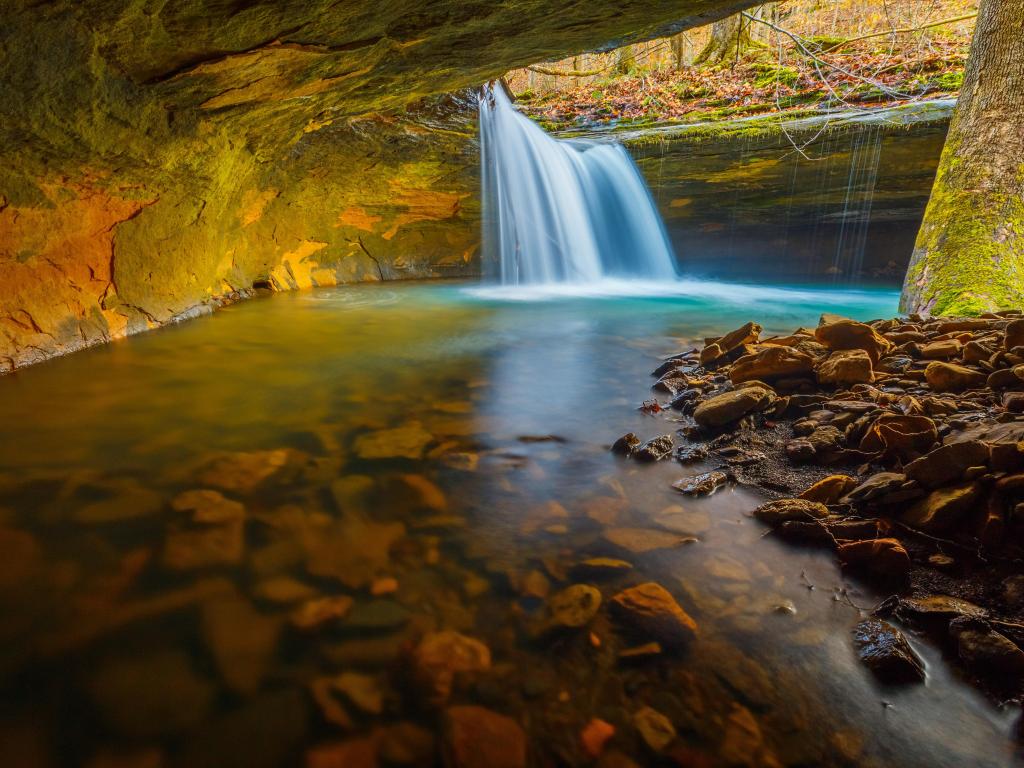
(569, 212)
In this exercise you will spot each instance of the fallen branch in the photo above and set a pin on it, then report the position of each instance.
(571, 73)
(905, 31)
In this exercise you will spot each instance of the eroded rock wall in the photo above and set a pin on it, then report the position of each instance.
(157, 159)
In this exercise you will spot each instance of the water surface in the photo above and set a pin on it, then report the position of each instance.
(443, 445)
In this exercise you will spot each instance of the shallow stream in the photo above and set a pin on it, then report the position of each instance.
(445, 447)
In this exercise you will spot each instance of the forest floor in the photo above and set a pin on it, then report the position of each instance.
(855, 76)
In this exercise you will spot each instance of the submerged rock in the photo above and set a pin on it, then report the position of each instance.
(475, 737)
(640, 540)
(654, 728)
(886, 652)
(649, 609)
(406, 442)
(440, 656)
(571, 608)
(626, 445)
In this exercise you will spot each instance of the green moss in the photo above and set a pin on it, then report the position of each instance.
(770, 74)
(948, 81)
(967, 264)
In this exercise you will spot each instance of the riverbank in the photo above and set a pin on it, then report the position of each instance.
(897, 444)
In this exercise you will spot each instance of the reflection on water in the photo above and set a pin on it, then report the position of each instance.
(382, 462)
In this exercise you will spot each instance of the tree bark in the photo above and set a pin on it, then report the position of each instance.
(730, 38)
(969, 254)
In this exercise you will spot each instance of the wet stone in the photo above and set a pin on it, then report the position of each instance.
(701, 485)
(641, 540)
(655, 449)
(241, 640)
(475, 737)
(206, 506)
(883, 558)
(985, 650)
(626, 445)
(600, 568)
(785, 510)
(406, 442)
(571, 608)
(320, 611)
(407, 744)
(440, 656)
(728, 407)
(885, 651)
(656, 730)
(649, 609)
(377, 616)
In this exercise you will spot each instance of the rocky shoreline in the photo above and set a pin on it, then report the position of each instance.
(899, 444)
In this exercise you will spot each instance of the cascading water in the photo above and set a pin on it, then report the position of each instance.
(569, 212)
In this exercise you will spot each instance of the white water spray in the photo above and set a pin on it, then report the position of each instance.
(561, 212)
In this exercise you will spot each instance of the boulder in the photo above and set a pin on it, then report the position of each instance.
(772, 362)
(475, 737)
(884, 558)
(947, 463)
(875, 487)
(941, 350)
(852, 366)
(626, 445)
(746, 334)
(942, 509)
(849, 334)
(886, 652)
(947, 377)
(785, 510)
(1013, 335)
(899, 434)
(649, 609)
(830, 489)
(724, 409)
(985, 650)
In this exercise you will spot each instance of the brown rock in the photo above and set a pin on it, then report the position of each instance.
(947, 377)
(942, 509)
(852, 366)
(205, 547)
(654, 728)
(947, 463)
(830, 489)
(886, 652)
(772, 362)
(1013, 335)
(640, 540)
(941, 350)
(876, 487)
(407, 744)
(441, 656)
(353, 550)
(902, 435)
(475, 737)
(243, 472)
(353, 753)
(746, 334)
(572, 608)
(723, 409)
(652, 611)
(1003, 378)
(986, 650)
(594, 736)
(784, 510)
(319, 611)
(849, 334)
(241, 640)
(208, 507)
(885, 558)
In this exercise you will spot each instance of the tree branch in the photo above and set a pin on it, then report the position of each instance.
(906, 31)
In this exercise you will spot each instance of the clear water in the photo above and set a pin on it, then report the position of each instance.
(560, 211)
(109, 652)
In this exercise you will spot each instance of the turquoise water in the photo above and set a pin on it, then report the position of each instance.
(447, 444)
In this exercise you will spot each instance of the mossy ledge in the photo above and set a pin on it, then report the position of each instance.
(156, 158)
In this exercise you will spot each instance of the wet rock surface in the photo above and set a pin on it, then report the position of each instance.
(898, 444)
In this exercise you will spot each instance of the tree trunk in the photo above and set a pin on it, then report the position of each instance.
(969, 255)
(625, 60)
(730, 39)
(679, 50)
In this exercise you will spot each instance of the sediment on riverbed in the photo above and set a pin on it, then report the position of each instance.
(897, 443)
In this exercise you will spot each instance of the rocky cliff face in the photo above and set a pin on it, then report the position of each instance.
(157, 159)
